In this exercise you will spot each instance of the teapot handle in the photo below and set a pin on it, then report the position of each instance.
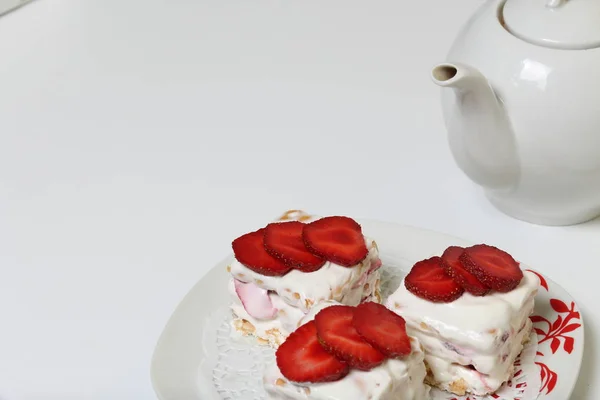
(555, 3)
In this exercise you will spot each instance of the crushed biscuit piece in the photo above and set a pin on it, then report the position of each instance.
(492, 331)
(259, 282)
(297, 295)
(272, 331)
(423, 325)
(366, 286)
(280, 382)
(228, 268)
(243, 326)
(275, 335)
(307, 390)
(247, 327)
(308, 303)
(430, 380)
(378, 296)
(459, 387)
(290, 214)
(427, 367)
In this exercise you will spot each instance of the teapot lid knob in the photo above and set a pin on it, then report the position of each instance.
(559, 24)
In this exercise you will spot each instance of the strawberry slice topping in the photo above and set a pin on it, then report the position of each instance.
(457, 271)
(250, 251)
(302, 359)
(428, 280)
(337, 335)
(283, 240)
(492, 266)
(382, 329)
(336, 239)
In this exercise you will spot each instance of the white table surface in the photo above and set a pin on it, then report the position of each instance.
(138, 138)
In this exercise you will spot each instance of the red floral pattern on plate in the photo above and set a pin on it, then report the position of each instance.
(543, 281)
(553, 332)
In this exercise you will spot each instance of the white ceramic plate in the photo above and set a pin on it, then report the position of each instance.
(185, 354)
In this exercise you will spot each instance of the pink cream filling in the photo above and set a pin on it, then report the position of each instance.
(256, 300)
(483, 381)
(375, 265)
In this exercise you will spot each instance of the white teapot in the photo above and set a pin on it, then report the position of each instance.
(521, 102)
(9, 5)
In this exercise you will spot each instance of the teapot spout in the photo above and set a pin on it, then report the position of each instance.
(447, 75)
(479, 131)
(464, 78)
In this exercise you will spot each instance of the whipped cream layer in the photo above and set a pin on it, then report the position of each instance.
(454, 377)
(395, 379)
(331, 282)
(484, 334)
(277, 319)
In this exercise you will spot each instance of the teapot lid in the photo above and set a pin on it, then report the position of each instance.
(559, 24)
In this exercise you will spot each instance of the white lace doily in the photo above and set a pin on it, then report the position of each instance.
(237, 374)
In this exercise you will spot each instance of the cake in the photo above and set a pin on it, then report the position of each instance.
(282, 270)
(348, 353)
(470, 309)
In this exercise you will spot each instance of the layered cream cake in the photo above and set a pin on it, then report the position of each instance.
(470, 310)
(382, 378)
(274, 287)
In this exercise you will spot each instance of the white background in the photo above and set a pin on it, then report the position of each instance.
(139, 137)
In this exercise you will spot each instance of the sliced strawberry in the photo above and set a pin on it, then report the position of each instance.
(457, 271)
(336, 239)
(302, 359)
(382, 329)
(283, 240)
(428, 280)
(338, 336)
(250, 251)
(492, 266)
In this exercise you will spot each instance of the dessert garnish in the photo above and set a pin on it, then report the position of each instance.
(478, 270)
(428, 279)
(338, 336)
(492, 266)
(461, 276)
(336, 239)
(250, 251)
(302, 359)
(280, 246)
(324, 349)
(283, 240)
(383, 329)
